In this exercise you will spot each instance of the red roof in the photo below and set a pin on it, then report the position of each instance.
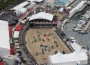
(11, 50)
(1, 63)
(18, 27)
(10, 31)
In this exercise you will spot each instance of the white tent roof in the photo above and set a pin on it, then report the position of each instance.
(21, 10)
(78, 6)
(72, 57)
(4, 35)
(16, 34)
(42, 15)
(77, 47)
(20, 5)
(36, 0)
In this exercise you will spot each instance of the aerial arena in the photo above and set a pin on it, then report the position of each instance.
(42, 40)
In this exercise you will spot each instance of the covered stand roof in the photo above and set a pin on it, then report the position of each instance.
(42, 15)
(4, 35)
(72, 57)
(36, 0)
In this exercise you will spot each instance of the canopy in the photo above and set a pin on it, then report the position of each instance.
(36, 0)
(4, 35)
(4, 38)
(80, 5)
(71, 57)
(16, 34)
(20, 5)
(21, 11)
(42, 15)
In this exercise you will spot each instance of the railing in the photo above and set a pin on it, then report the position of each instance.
(63, 37)
(29, 58)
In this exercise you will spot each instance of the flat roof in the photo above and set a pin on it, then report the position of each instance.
(16, 34)
(20, 5)
(4, 35)
(78, 6)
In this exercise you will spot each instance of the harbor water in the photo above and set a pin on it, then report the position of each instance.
(83, 39)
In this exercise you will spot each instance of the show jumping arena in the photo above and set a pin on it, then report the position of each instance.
(42, 42)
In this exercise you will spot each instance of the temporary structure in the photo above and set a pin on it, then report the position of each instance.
(79, 7)
(20, 5)
(4, 39)
(16, 35)
(68, 59)
(35, 0)
(42, 15)
(23, 7)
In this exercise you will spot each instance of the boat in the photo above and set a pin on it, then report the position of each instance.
(77, 29)
(82, 32)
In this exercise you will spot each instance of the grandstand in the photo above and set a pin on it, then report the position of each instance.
(38, 20)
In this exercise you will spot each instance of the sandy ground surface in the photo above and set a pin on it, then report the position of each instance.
(44, 42)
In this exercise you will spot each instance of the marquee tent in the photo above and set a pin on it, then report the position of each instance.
(68, 59)
(23, 7)
(16, 35)
(20, 5)
(77, 47)
(35, 0)
(4, 39)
